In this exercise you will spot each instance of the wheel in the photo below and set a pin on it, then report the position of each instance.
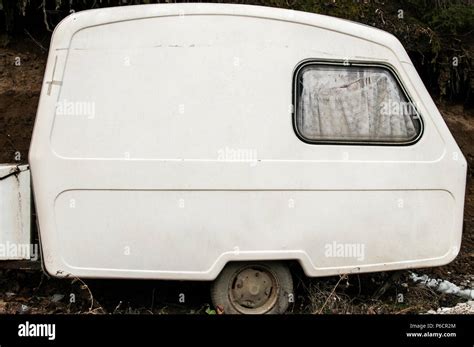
(253, 288)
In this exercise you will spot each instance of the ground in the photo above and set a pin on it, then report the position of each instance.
(21, 74)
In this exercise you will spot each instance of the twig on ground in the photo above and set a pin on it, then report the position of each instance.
(408, 309)
(84, 286)
(117, 307)
(332, 292)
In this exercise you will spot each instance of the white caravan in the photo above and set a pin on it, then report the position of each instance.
(220, 142)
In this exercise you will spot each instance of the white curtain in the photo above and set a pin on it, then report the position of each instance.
(352, 104)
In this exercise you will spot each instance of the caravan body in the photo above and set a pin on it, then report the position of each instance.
(173, 139)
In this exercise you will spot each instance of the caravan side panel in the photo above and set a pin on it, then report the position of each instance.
(164, 148)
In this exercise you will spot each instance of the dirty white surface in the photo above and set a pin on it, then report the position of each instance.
(14, 212)
(139, 188)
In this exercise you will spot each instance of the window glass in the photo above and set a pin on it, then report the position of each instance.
(353, 104)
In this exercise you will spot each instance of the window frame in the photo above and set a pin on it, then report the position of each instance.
(347, 63)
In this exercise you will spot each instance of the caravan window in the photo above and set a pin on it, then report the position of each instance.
(353, 104)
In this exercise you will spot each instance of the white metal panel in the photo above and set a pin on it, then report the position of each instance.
(15, 235)
(193, 233)
(176, 97)
(208, 64)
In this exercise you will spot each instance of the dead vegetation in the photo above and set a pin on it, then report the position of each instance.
(36, 293)
(361, 294)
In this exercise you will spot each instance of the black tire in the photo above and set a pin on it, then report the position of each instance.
(234, 293)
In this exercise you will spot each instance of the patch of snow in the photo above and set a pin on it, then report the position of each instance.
(443, 286)
(461, 308)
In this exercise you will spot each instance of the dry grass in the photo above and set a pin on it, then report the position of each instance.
(359, 294)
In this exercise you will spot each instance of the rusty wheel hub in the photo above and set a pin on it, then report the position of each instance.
(253, 290)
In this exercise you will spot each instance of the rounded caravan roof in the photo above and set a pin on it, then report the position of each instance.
(88, 48)
(75, 22)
